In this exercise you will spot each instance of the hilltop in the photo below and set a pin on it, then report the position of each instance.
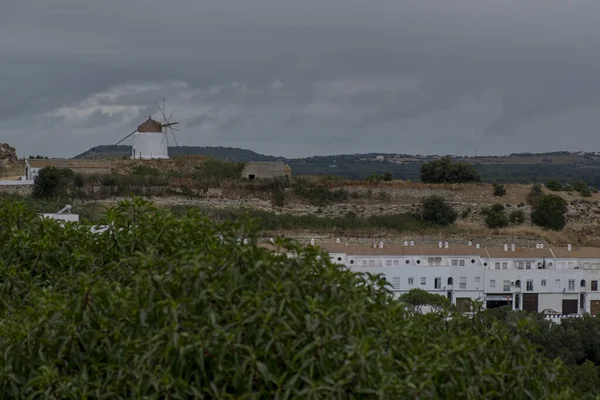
(513, 168)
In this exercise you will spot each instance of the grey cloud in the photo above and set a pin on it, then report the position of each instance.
(440, 73)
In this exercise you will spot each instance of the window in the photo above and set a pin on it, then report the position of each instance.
(595, 286)
(520, 265)
(477, 280)
(396, 282)
(462, 281)
(396, 263)
(450, 281)
(529, 285)
(437, 283)
(571, 284)
(497, 265)
(586, 265)
(454, 263)
(371, 263)
(461, 263)
(528, 265)
(543, 282)
(582, 283)
(506, 286)
(364, 263)
(492, 283)
(388, 263)
(517, 284)
(504, 265)
(411, 281)
(557, 283)
(423, 280)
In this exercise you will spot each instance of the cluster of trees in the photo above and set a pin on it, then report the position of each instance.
(166, 307)
(578, 185)
(548, 210)
(445, 170)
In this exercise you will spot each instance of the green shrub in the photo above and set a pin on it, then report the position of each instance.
(437, 211)
(388, 177)
(549, 212)
(499, 190)
(320, 195)
(445, 170)
(585, 192)
(534, 194)
(496, 219)
(517, 217)
(53, 182)
(497, 208)
(554, 185)
(579, 185)
(161, 307)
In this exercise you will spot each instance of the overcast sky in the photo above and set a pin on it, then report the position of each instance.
(298, 78)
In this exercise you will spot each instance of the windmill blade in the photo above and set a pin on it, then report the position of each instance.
(116, 144)
(174, 138)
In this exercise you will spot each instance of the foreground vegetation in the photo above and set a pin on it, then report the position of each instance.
(166, 307)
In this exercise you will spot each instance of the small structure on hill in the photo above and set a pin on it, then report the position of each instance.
(84, 167)
(266, 169)
(149, 141)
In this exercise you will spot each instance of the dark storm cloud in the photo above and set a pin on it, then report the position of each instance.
(298, 78)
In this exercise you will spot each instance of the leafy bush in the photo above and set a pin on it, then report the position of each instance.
(585, 192)
(579, 185)
(417, 298)
(554, 185)
(53, 182)
(437, 211)
(549, 212)
(320, 195)
(534, 194)
(496, 219)
(445, 170)
(497, 208)
(160, 307)
(499, 190)
(388, 177)
(517, 217)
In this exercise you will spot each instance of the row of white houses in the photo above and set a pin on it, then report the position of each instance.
(555, 280)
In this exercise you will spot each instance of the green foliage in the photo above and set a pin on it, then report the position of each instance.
(517, 217)
(445, 170)
(499, 190)
(579, 185)
(319, 194)
(496, 218)
(497, 208)
(388, 177)
(585, 192)
(214, 172)
(437, 211)
(161, 307)
(53, 182)
(554, 185)
(549, 212)
(534, 194)
(417, 298)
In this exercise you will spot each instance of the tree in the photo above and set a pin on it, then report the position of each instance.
(579, 185)
(388, 177)
(554, 185)
(496, 219)
(585, 192)
(534, 194)
(499, 190)
(437, 211)
(160, 306)
(417, 298)
(517, 217)
(53, 182)
(445, 170)
(549, 212)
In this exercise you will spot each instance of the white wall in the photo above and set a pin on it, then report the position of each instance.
(148, 145)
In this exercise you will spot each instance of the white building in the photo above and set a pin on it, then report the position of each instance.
(564, 280)
(150, 141)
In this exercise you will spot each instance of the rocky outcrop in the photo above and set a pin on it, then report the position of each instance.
(8, 158)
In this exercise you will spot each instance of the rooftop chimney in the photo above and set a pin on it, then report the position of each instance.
(470, 243)
(412, 242)
(446, 245)
(505, 247)
(406, 243)
(440, 245)
(512, 247)
(569, 247)
(381, 245)
(477, 246)
(312, 242)
(338, 240)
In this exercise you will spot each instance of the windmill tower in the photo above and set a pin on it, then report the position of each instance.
(151, 139)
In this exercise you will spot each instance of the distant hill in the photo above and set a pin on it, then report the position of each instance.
(223, 153)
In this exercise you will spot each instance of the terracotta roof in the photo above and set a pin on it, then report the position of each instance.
(520, 252)
(576, 252)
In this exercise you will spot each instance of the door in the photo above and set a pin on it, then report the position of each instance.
(530, 302)
(569, 307)
(463, 304)
(595, 307)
